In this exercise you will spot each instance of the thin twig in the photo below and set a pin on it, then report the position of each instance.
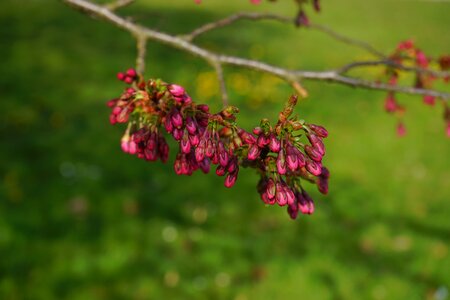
(118, 4)
(141, 51)
(347, 40)
(233, 18)
(390, 63)
(285, 74)
(222, 86)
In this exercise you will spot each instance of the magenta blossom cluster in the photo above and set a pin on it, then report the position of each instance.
(409, 54)
(286, 155)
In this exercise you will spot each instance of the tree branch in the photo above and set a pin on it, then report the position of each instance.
(222, 86)
(118, 4)
(214, 58)
(141, 51)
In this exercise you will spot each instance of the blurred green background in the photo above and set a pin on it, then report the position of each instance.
(81, 220)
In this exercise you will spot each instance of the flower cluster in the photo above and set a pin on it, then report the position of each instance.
(285, 154)
(408, 54)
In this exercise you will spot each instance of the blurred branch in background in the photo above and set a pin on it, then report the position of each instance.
(291, 76)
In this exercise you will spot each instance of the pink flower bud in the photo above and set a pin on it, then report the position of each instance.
(185, 144)
(168, 124)
(199, 152)
(302, 19)
(177, 134)
(176, 90)
(151, 154)
(421, 59)
(132, 147)
(281, 196)
(289, 195)
(401, 129)
(305, 203)
(281, 162)
(322, 185)
(205, 165)
(325, 173)
(111, 103)
(116, 110)
(255, 2)
(222, 153)
(429, 100)
(316, 4)
(210, 149)
(194, 140)
(257, 130)
(112, 119)
(313, 153)
(203, 107)
(128, 80)
(220, 170)
(232, 165)
(447, 130)
(190, 125)
(246, 137)
(319, 130)
(177, 119)
(231, 178)
(253, 152)
(124, 144)
(163, 148)
(263, 141)
(274, 144)
(177, 166)
(131, 72)
(293, 211)
(120, 76)
(313, 167)
(271, 189)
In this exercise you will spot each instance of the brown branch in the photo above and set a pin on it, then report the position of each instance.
(347, 40)
(118, 4)
(222, 86)
(141, 51)
(390, 63)
(214, 58)
(233, 18)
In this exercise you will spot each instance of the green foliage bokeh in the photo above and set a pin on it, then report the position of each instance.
(81, 220)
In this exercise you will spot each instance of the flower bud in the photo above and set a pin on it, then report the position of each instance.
(274, 144)
(401, 129)
(429, 100)
(223, 154)
(313, 167)
(231, 178)
(200, 152)
(257, 130)
(305, 203)
(120, 76)
(168, 124)
(210, 149)
(177, 134)
(205, 166)
(280, 195)
(262, 140)
(194, 140)
(220, 170)
(185, 144)
(131, 72)
(246, 137)
(319, 130)
(176, 90)
(313, 153)
(281, 162)
(253, 152)
(293, 211)
(271, 188)
(322, 185)
(290, 195)
(177, 119)
(190, 125)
